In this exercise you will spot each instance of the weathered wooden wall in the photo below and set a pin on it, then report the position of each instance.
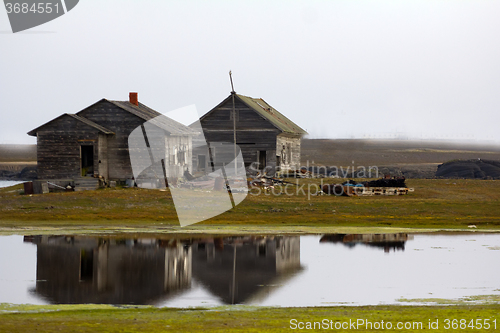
(58, 148)
(174, 150)
(60, 141)
(179, 155)
(253, 132)
(288, 148)
(102, 154)
(122, 123)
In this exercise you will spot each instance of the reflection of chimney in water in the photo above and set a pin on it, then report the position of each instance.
(219, 243)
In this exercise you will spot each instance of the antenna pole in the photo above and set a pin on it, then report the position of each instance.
(234, 123)
(231, 78)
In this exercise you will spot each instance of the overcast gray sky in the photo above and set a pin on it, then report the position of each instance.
(339, 69)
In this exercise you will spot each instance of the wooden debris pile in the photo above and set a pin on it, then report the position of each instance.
(384, 186)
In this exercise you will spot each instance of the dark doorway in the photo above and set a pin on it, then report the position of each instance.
(87, 160)
(202, 162)
(262, 159)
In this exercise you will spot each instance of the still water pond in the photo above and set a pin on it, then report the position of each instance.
(334, 269)
(7, 183)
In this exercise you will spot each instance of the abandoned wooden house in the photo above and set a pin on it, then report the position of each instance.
(94, 141)
(264, 135)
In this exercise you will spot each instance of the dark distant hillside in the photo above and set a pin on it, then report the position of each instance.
(391, 152)
(17, 153)
(18, 162)
(412, 159)
(478, 168)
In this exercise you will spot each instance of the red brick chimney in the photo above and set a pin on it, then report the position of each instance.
(134, 98)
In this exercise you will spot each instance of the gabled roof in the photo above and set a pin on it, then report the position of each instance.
(91, 123)
(274, 116)
(267, 112)
(144, 112)
(141, 110)
(83, 120)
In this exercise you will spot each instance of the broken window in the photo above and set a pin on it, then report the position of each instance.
(174, 155)
(284, 158)
(289, 153)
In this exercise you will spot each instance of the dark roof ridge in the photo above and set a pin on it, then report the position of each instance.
(77, 117)
(90, 123)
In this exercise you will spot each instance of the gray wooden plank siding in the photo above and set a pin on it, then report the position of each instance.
(253, 132)
(59, 156)
(220, 118)
(102, 154)
(58, 149)
(122, 123)
(103, 130)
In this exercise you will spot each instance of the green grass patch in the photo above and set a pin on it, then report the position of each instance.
(240, 319)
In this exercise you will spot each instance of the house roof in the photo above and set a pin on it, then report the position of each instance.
(83, 120)
(142, 111)
(274, 116)
(91, 123)
(267, 112)
(155, 117)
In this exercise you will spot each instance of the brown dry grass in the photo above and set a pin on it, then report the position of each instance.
(434, 204)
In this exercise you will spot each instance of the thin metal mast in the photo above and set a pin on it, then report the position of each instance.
(234, 123)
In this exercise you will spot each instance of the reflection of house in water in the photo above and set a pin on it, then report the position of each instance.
(242, 269)
(110, 271)
(102, 270)
(386, 241)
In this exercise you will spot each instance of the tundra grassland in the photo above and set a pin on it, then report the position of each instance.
(435, 204)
